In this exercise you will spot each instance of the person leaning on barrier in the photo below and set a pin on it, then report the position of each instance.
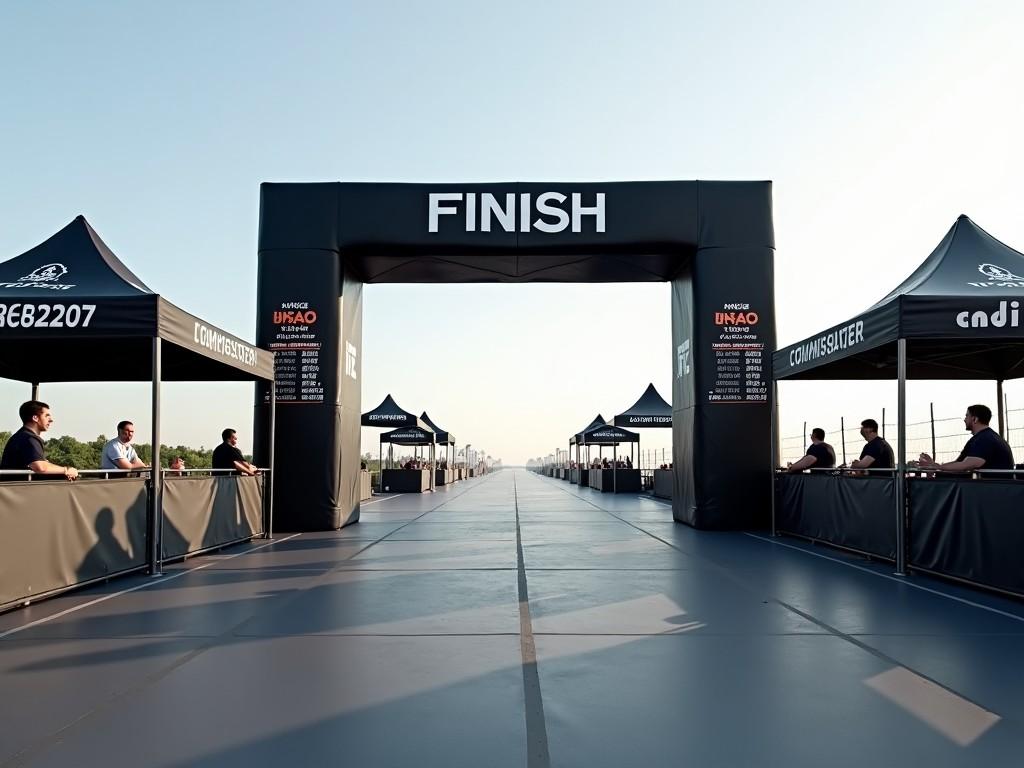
(820, 455)
(227, 456)
(877, 454)
(986, 448)
(119, 452)
(25, 448)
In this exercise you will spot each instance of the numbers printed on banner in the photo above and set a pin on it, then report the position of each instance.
(21, 315)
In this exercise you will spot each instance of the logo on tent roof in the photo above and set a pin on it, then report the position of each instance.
(45, 274)
(999, 277)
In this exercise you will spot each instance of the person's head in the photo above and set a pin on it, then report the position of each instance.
(869, 429)
(35, 415)
(125, 431)
(977, 417)
(229, 436)
(817, 435)
(177, 463)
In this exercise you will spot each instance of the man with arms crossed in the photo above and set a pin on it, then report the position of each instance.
(119, 452)
(25, 448)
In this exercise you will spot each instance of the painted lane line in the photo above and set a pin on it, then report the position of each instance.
(136, 588)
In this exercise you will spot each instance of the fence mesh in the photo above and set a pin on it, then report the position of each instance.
(942, 438)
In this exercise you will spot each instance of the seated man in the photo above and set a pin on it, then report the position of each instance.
(877, 453)
(985, 448)
(119, 452)
(227, 456)
(24, 449)
(820, 454)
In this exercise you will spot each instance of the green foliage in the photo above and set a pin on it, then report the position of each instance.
(67, 450)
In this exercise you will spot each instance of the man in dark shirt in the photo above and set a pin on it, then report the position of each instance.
(985, 448)
(820, 454)
(877, 454)
(25, 448)
(227, 456)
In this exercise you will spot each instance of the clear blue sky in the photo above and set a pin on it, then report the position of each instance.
(879, 123)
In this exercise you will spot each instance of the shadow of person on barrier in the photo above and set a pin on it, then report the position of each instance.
(106, 556)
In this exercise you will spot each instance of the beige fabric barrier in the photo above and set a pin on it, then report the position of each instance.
(57, 534)
(201, 512)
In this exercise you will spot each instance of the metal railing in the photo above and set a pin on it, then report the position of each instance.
(101, 474)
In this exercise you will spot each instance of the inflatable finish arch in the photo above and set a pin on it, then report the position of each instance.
(713, 241)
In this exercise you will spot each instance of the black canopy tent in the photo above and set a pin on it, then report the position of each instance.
(576, 439)
(607, 434)
(389, 414)
(650, 410)
(956, 317)
(442, 436)
(415, 436)
(71, 311)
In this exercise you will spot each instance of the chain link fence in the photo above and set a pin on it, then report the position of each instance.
(942, 438)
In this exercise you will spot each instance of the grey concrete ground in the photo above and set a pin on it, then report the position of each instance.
(515, 620)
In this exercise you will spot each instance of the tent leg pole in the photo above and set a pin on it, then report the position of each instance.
(155, 475)
(35, 392)
(268, 479)
(999, 408)
(615, 470)
(901, 461)
(776, 458)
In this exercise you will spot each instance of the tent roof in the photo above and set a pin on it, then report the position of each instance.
(72, 311)
(598, 421)
(408, 436)
(390, 414)
(650, 410)
(75, 260)
(444, 437)
(959, 311)
(606, 434)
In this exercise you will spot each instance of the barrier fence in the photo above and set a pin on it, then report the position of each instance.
(942, 438)
(60, 535)
(961, 526)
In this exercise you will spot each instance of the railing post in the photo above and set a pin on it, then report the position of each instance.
(901, 461)
(931, 411)
(842, 432)
(155, 478)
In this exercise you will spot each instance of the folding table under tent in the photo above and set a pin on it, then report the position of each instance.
(409, 480)
(447, 439)
(615, 480)
(71, 311)
(580, 477)
(958, 316)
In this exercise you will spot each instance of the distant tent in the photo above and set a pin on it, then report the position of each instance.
(409, 436)
(444, 437)
(390, 414)
(606, 434)
(597, 422)
(650, 410)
